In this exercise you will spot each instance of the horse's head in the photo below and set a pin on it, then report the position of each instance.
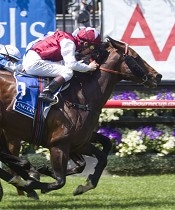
(126, 62)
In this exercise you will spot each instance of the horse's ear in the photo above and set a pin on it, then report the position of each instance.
(112, 41)
(117, 44)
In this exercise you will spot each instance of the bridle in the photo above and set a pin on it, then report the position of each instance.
(122, 57)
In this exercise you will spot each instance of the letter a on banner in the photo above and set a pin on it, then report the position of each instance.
(24, 21)
(148, 27)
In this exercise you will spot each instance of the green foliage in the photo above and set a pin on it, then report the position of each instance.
(141, 164)
(38, 159)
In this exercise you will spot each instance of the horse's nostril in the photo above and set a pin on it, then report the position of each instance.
(158, 78)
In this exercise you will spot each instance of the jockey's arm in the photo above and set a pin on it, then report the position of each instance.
(68, 49)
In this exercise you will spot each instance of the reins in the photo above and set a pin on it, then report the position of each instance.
(144, 78)
(113, 71)
(109, 70)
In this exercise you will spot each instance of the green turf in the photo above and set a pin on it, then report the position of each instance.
(133, 193)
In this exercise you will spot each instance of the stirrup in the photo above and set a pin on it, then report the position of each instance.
(47, 97)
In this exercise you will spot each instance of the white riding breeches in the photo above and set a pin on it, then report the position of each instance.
(34, 65)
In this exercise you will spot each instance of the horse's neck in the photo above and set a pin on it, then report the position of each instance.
(107, 83)
(93, 89)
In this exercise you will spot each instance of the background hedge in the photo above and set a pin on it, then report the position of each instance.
(141, 164)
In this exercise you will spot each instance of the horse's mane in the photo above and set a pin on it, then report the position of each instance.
(99, 54)
(114, 42)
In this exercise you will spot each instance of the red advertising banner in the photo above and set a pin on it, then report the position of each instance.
(141, 104)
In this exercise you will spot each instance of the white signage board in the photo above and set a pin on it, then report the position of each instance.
(148, 27)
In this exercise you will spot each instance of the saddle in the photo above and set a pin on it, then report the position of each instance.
(28, 104)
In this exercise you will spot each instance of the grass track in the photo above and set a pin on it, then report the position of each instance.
(114, 193)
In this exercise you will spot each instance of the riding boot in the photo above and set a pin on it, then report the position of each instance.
(48, 91)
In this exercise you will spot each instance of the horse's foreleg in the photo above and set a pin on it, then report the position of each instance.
(17, 182)
(45, 170)
(103, 140)
(79, 161)
(80, 164)
(59, 159)
(18, 165)
(14, 148)
(93, 179)
(101, 164)
(101, 156)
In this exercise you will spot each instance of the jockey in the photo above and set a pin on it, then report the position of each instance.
(54, 56)
(9, 56)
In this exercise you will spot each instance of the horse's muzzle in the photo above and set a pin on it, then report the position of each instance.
(153, 81)
(158, 78)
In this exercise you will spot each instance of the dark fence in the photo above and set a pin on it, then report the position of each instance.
(70, 23)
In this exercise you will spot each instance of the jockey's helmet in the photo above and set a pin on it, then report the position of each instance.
(10, 51)
(90, 35)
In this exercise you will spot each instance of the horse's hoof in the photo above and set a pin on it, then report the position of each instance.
(32, 194)
(79, 190)
(82, 189)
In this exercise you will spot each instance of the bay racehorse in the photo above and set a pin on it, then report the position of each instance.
(70, 124)
(13, 147)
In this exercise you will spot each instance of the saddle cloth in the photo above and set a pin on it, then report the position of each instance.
(28, 89)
